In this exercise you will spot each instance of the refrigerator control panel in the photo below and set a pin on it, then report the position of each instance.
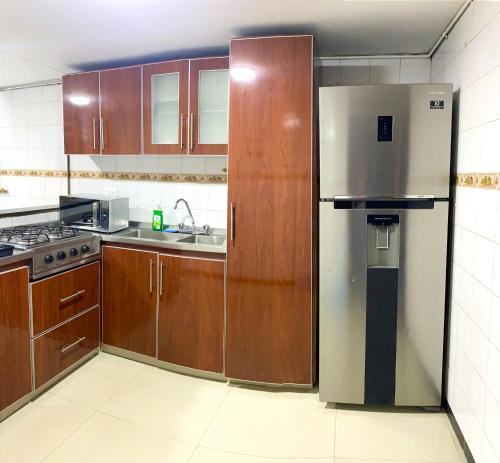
(385, 126)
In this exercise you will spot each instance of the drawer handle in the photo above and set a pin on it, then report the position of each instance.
(150, 275)
(73, 344)
(161, 278)
(71, 298)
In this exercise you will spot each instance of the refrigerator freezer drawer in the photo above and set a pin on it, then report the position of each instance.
(385, 140)
(382, 304)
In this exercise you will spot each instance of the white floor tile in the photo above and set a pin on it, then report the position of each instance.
(39, 428)
(173, 405)
(272, 424)
(104, 439)
(393, 435)
(98, 380)
(204, 455)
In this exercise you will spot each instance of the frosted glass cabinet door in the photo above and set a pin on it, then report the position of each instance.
(213, 107)
(165, 107)
(209, 105)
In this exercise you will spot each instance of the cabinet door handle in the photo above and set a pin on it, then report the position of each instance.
(101, 133)
(72, 297)
(232, 212)
(161, 278)
(73, 344)
(150, 275)
(191, 132)
(182, 121)
(93, 131)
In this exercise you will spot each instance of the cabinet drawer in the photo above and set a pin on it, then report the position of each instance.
(63, 296)
(60, 348)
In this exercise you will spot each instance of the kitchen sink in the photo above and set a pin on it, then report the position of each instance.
(214, 240)
(152, 235)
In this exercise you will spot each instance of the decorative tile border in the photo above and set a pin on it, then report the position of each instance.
(150, 177)
(33, 173)
(134, 176)
(488, 180)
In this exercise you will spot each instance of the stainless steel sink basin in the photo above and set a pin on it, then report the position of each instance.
(214, 240)
(152, 235)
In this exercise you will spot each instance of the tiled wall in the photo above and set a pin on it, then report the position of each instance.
(208, 201)
(470, 59)
(375, 71)
(31, 137)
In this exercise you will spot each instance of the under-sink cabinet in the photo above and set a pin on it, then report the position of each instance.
(15, 367)
(129, 299)
(166, 307)
(191, 312)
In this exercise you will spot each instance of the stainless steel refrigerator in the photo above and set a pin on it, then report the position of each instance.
(383, 213)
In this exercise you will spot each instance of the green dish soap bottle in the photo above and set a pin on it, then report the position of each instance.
(158, 219)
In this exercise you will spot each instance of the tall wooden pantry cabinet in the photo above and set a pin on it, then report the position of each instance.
(270, 315)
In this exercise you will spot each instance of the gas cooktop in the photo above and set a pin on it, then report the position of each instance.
(56, 248)
(31, 236)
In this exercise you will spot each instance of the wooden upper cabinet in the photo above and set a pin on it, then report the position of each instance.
(191, 312)
(165, 106)
(15, 368)
(121, 111)
(208, 106)
(81, 113)
(129, 298)
(270, 302)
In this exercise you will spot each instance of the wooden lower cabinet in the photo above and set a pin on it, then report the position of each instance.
(60, 297)
(62, 347)
(15, 368)
(191, 312)
(129, 299)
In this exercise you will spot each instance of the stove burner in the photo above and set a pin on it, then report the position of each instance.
(33, 235)
(57, 232)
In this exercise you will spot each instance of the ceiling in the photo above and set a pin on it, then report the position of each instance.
(40, 40)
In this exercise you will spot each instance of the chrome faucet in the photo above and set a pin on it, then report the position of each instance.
(182, 225)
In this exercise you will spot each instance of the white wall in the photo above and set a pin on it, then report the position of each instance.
(31, 137)
(470, 59)
(375, 71)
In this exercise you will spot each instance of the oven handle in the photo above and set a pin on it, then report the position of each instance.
(71, 298)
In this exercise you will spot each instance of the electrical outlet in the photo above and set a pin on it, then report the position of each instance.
(111, 192)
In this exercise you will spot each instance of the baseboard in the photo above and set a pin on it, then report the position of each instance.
(458, 432)
(161, 364)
